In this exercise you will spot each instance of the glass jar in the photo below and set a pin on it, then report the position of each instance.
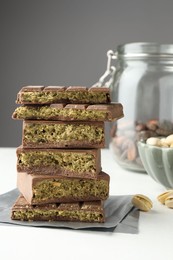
(143, 83)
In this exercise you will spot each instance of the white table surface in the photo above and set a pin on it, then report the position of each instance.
(154, 240)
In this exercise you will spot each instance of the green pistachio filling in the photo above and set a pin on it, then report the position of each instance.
(35, 133)
(75, 162)
(53, 97)
(70, 188)
(47, 112)
(86, 216)
(85, 114)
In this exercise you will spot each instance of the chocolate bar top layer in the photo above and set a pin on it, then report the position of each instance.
(79, 112)
(62, 94)
(92, 211)
(68, 162)
(63, 134)
(41, 189)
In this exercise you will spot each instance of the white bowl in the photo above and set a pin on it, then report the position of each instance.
(158, 163)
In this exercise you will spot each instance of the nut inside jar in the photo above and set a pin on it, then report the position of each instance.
(125, 135)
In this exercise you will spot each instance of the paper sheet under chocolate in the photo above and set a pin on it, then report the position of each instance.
(121, 216)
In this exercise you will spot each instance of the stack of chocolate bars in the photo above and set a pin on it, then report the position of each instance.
(59, 161)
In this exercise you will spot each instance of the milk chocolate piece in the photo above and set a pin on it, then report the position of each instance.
(41, 189)
(92, 211)
(73, 163)
(78, 112)
(59, 134)
(62, 94)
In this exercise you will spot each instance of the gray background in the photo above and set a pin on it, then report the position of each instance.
(64, 42)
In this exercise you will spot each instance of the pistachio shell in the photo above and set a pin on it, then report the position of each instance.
(142, 202)
(169, 201)
(169, 139)
(154, 141)
(163, 142)
(163, 196)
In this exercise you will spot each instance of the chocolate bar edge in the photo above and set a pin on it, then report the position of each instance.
(55, 171)
(21, 206)
(26, 182)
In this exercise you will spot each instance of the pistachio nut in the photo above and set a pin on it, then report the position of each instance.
(169, 201)
(169, 139)
(163, 142)
(163, 196)
(142, 202)
(57, 184)
(154, 141)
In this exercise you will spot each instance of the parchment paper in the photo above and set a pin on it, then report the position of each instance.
(120, 214)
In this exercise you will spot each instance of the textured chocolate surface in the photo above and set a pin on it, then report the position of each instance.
(72, 162)
(92, 211)
(41, 189)
(59, 134)
(97, 112)
(58, 94)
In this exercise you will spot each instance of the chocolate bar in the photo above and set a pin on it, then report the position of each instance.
(41, 189)
(92, 211)
(62, 94)
(78, 112)
(73, 163)
(59, 134)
